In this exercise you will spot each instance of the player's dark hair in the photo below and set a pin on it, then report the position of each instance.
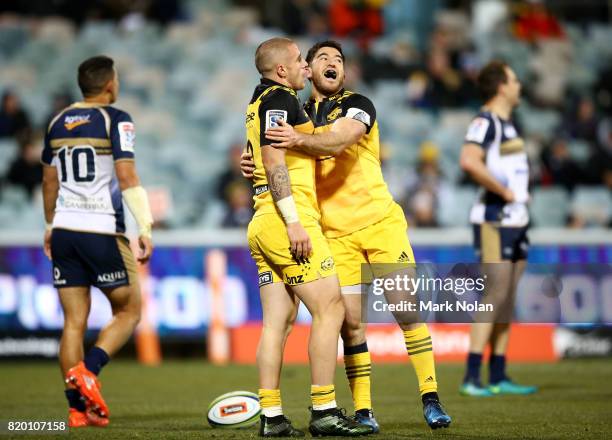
(94, 73)
(490, 78)
(327, 43)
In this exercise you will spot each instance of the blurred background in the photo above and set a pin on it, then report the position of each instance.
(187, 73)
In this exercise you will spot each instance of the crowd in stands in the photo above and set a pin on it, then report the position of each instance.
(427, 55)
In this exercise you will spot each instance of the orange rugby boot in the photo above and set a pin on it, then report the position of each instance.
(93, 419)
(88, 385)
(77, 419)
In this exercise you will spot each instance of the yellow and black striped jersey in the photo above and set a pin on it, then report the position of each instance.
(352, 181)
(272, 101)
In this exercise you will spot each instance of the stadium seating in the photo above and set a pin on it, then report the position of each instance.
(187, 102)
(549, 207)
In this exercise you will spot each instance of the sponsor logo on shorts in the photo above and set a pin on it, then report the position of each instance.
(297, 279)
(265, 278)
(111, 277)
(261, 189)
(57, 275)
(327, 264)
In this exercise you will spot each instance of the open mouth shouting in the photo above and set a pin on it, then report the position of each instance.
(330, 74)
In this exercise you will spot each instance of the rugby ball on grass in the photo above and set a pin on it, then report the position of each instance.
(238, 409)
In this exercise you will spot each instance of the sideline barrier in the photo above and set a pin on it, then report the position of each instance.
(180, 298)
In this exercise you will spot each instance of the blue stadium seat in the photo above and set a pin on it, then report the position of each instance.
(549, 207)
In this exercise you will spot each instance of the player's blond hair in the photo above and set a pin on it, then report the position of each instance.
(270, 53)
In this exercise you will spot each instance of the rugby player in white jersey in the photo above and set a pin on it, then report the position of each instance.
(494, 156)
(89, 170)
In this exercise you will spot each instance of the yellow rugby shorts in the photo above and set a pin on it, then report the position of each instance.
(270, 248)
(383, 244)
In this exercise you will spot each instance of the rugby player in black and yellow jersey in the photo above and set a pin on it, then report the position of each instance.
(292, 255)
(359, 217)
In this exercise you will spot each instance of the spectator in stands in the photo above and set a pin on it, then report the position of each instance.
(294, 17)
(560, 166)
(60, 101)
(581, 122)
(421, 201)
(26, 169)
(445, 84)
(13, 119)
(360, 19)
(239, 205)
(232, 173)
(534, 21)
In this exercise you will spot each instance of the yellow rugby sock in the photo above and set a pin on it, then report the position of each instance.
(270, 401)
(358, 367)
(323, 397)
(418, 345)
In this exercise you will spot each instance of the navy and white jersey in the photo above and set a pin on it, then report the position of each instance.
(506, 160)
(84, 141)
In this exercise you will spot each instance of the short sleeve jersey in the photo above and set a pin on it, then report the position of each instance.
(83, 142)
(270, 102)
(352, 181)
(506, 160)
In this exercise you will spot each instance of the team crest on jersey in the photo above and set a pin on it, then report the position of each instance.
(272, 117)
(334, 114)
(71, 122)
(127, 136)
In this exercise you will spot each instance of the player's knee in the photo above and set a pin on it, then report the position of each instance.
(332, 308)
(130, 313)
(289, 324)
(75, 323)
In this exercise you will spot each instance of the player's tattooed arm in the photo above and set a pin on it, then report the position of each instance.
(280, 185)
(276, 172)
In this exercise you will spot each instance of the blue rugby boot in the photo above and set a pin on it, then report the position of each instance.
(434, 414)
(506, 386)
(366, 417)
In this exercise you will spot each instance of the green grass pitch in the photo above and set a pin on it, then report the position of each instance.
(170, 401)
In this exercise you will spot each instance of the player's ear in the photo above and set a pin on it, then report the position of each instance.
(281, 71)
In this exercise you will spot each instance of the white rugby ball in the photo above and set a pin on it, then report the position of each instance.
(238, 409)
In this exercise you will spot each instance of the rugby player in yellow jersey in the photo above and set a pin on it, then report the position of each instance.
(359, 217)
(293, 258)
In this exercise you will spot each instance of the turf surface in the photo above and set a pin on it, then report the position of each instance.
(169, 402)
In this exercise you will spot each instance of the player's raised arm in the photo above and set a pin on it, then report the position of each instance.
(135, 196)
(280, 188)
